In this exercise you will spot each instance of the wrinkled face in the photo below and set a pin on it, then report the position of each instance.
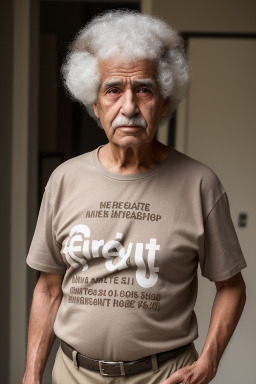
(129, 103)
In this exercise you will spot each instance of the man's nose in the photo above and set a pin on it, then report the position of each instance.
(129, 104)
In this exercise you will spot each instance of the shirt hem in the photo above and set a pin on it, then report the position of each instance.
(227, 275)
(44, 268)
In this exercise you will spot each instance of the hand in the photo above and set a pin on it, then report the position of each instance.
(200, 372)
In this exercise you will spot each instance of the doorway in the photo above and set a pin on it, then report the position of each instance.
(65, 128)
(216, 125)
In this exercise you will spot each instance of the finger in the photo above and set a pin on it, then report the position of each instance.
(175, 378)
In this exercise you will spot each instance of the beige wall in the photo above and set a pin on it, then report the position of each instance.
(208, 15)
(19, 22)
(220, 131)
(6, 36)
(19, 158)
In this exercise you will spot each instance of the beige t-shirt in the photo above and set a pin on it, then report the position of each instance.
(129, 246)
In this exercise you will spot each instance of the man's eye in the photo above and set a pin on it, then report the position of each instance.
(113, 90)
(144, 90)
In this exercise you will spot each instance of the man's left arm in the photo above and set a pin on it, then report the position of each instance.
(227, 309)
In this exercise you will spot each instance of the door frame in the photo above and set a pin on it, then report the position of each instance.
(181, 126)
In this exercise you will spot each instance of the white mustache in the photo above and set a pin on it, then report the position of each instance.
(138, 121)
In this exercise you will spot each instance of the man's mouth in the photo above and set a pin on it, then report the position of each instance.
(132, 123)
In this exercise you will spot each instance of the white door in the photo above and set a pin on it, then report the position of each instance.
(217, 125)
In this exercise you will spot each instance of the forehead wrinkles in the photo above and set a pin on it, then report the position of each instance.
(116, 69)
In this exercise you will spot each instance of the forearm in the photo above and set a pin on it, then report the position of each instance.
(227, 309)
(41, 335)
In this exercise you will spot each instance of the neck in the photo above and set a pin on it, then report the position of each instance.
(132, 160)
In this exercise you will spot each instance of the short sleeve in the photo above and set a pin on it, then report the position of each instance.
(44, 253)
(222, 256)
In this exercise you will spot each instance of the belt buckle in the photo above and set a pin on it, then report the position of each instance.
(121, 366)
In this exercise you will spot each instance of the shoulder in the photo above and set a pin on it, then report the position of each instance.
(187, 163)
(194, 169)
(68, 174)
(70, 167)
(197, 178)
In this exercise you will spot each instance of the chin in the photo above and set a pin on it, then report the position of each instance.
(129, 141)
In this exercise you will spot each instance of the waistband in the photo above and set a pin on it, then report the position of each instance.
(120, 368)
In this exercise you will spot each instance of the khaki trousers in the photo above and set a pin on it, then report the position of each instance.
(64, 371)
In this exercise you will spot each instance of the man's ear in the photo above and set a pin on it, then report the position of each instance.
(165, 106)
(95, 109)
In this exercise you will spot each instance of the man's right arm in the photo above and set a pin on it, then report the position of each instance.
(46, 301)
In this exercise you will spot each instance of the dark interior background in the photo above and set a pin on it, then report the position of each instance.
(65, 128)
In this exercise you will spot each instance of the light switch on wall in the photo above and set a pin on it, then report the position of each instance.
(242, 220)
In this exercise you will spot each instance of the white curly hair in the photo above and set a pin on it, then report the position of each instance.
(133, 36)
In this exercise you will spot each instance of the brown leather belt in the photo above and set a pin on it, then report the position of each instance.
(118, 368)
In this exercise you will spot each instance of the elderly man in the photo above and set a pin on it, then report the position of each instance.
(122, 229)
